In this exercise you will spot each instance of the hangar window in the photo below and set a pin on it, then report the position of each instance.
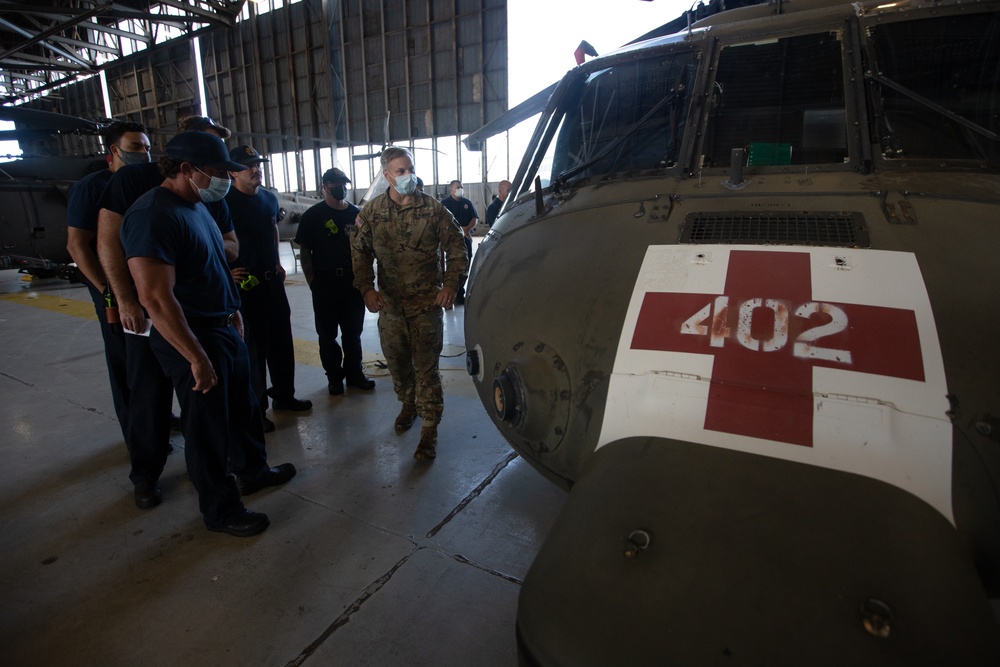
(936, 87)
(782, 100)
(629, 116)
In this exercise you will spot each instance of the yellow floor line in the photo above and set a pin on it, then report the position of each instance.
(56, 304)
(306, 351)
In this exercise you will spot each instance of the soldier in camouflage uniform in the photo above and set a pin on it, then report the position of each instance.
(405, 230)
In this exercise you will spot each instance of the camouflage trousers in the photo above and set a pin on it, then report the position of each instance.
(411, 332)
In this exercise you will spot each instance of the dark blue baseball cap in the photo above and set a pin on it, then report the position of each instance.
(202, 149)
(247, 155)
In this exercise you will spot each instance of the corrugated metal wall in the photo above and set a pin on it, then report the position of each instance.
(320, 74)
(438, 67)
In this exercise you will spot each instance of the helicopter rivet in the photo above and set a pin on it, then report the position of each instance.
(637, 542)
(876, 617)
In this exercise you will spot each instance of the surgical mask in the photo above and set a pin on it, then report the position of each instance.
(406, 184)
(216, 190)
(459, 192)
(137, 157)
(338, 192)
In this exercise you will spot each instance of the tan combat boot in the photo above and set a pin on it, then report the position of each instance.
(427, 447)
(407, 414)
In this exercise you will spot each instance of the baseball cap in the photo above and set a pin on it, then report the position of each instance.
(202, 149)
(204, 124)
(335, 176)
(246, 155)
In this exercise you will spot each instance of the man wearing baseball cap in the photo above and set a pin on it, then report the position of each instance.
(175, 254)
(150, 402)
(324, 234)
(261, 278)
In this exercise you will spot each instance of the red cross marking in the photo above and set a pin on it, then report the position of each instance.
(767, 334)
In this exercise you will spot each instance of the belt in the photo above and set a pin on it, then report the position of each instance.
(340, 273)
(220, 322)
(252, 280)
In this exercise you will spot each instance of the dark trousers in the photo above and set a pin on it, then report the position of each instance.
(114, 355)
(268, 330)
(338, 305)
(224, 423)
(149, 404)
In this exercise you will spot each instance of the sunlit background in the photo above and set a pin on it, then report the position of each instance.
(542, 38)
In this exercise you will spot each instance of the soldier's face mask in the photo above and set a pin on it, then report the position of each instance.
(338, 192)
(406, 184)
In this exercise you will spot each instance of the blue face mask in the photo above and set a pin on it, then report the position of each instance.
(406, 184)
(216, 190)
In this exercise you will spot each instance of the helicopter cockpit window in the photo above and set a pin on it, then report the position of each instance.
(627, 117)
(782, 100)
(936, 86)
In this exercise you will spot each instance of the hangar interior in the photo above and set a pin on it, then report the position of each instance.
(311, 83)
(371, 559)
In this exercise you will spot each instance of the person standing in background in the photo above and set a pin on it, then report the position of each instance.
(324, 236)
(258, 272)
(493, 211)
(465, 213)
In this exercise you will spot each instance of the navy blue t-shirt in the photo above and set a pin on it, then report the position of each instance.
(165, 226)
(326, 231)
(84, 199)
(254, 218)
(133, 180)
(462, 209)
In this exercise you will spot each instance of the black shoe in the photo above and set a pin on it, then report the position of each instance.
(147, 494)
(243, 524)
(336, 388)
(361, 382)
(272, 477)
(291, 404)
(268, 425)
(175, 422)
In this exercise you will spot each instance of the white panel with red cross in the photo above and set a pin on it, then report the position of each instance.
(825, 356)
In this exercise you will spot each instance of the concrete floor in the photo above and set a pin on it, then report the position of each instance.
(370, 559)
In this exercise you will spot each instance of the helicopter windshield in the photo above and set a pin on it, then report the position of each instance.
(938, 93)
(625, 117)
(780, 99)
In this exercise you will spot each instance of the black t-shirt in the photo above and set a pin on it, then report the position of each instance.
(254, 218)
(84, 200)
(133, 180)
(493, 210)
(462, 209)
(164, 226)
(327, 232)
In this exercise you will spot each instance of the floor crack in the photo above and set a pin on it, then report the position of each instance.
(345, 617)
(473, 494)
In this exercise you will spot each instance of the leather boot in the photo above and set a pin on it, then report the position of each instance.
(427, 447)
(407, 415)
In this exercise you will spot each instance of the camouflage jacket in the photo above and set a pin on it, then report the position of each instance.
(407, 242)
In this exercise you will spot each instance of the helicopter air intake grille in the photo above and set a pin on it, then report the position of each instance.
(818, 229)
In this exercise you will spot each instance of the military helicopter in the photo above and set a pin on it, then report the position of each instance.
(740, 302)
(34, 188)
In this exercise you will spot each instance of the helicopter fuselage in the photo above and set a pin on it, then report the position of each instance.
(740, 302)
